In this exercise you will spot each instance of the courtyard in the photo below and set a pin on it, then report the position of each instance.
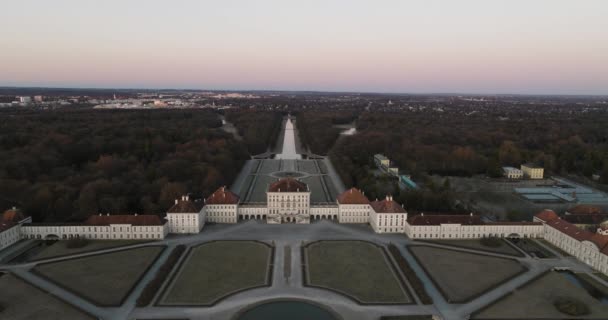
(104, 279)
(462, 276)
(214, 270)
(358, 269)
(536, 299)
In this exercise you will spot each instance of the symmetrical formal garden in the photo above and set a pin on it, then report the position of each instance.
(358, 269)
(22, 301)
(462, 276)
(104, 279)
(494, 245)
(549, 296)
(214, 270)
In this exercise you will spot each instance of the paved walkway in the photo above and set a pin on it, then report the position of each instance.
(292, 235)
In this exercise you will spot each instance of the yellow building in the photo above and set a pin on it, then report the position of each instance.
(532, 171)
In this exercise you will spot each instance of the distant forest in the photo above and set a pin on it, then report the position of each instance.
(455, 143)
(67, 164)
(260, 129)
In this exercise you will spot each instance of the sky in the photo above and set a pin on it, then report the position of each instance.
(426, 46)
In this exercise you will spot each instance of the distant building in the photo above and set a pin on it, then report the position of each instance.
(38, 98)
(25, 99)
(532, 171)
(512, 173)
(382, 161)
(10, 226)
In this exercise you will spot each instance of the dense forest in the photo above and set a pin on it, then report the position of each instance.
(455, 143)
(67, 164)
(318, 131)
(260, 129)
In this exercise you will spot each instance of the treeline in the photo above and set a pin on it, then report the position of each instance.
(65, 165)
(317, 129)
(260, 130)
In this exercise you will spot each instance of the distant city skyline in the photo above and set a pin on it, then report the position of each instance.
(460, 47)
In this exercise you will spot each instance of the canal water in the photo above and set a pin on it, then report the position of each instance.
(287, 310)
(289, 143)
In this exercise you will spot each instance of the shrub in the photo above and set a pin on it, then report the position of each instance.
(152, 287)
(491, 242)
(411, 275)
(571, 307)
(1, 308)
(77, 243)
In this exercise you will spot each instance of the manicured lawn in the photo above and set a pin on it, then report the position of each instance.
(216, 269)
(22, 301)
(105, 279)
(60, 248)
(534, 300)
(358, 269)
(462, 276)
(476, 244)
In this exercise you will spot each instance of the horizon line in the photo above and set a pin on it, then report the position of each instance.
(311, 91)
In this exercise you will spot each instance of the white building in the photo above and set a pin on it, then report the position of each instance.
(288, 200)
(10, 227)
(353, 207)
(387, 216)
(467, 226)
(221, 206)
(186, 216)
(532, 171)
(512, 173)
(100, 227)
(588, 247)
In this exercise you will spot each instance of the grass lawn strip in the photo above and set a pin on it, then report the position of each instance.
(105, 279)
(60, 249)
(22, 301)
(357, 269)
(475, 244)
(217, 269)
(463, 276)
(535, 300)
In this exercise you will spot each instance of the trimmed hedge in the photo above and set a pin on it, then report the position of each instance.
(411, 275)
(153, 286)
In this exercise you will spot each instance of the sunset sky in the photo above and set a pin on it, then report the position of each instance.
(426, 46)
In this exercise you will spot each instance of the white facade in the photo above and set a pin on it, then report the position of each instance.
(532, 172)
(388, 222)
(221, 213)
(109, 232)
(288, 206)
(460, 231)
(354, 213)
(185, 217)
(9, 235)
(512, 173)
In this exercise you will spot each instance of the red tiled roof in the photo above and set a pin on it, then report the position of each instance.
(184, 205)
(388, 205)
(12, 215)
(570, 229)
(547, 215)
(288, 185)
(585, 209)
(222, 196)
(437, 219)
(136, 220)
(5, 225)
(586, 218)
(352, 196)
(514, 223)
